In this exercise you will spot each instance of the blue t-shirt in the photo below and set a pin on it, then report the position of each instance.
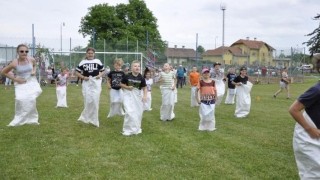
(231, 78)
(311, 101)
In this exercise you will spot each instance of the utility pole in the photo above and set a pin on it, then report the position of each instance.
(223, 8)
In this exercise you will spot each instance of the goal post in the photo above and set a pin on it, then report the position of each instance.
(72, 58)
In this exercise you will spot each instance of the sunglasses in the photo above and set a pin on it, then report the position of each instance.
(24, 52)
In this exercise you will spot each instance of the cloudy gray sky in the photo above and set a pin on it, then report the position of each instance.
(280, 23)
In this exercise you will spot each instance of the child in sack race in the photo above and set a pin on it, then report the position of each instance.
(61, 88)
(208, 97)
(116, 93)
(132, 84)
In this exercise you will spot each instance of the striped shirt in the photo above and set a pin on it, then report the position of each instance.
(167, 79)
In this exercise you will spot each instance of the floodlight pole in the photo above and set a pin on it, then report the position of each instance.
(61, 25)
(223, 8)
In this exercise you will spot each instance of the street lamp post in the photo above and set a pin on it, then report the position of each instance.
(215, 42)
(61, 25)
(223, 8)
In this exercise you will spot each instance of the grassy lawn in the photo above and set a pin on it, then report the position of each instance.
(256, 147)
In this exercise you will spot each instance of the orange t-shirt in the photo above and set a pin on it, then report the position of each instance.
(194, 78)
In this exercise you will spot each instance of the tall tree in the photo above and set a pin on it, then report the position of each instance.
(120, 24)
(314, 41)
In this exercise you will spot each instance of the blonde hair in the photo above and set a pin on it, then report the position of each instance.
(118, 61)
(135, 62)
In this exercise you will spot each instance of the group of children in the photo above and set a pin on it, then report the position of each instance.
(208, 91)
(130, 93)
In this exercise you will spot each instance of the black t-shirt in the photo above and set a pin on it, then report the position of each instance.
(231, 77)
(136, 81)
(243, 80)
(115, 79)
(90, 67)
(311, 101)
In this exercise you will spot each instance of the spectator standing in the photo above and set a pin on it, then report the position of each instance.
(194, 78)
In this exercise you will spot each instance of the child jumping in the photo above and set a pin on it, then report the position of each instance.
(149, 82)
(61, 88)
(132, 84)
(168, 85)
(208, 97)
(116, 94)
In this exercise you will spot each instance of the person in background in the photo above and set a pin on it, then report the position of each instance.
(49, 75)
(78, 79)
(116, 93)
(167, 87)
(231, 87)
(284, 83)
(149, 83)
(91, 71)
(27, 88)
(217, 74)
(207, 90)
(8, 82)
(61, 88)
(243, 98)
(180, 76)
(133, 83)
(306, 138)
(194, 78)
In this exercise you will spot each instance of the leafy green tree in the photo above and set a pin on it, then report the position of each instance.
(200, 49)
(120, 24)
(314, 41)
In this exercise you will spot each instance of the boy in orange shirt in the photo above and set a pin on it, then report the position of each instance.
(194, 78)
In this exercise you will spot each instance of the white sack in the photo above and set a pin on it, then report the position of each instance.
(231, 93)
(193, 97)
(91, 90)
(167, 106)
(243, 100)
(147, 104)
(25, 102)
(133, 106)
(207, 117)
(116, 101)
(61, 92)
(306, 151)
(221, 88)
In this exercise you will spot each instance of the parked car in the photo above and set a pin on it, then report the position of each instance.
(305, 68)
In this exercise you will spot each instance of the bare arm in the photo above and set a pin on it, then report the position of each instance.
(5, 71)
(295, 111)
(124, 86)
(197, 95)
(81, 76)
(108, 83)
(144, 98)
(34, 67)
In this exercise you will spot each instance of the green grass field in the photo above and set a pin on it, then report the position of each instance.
(256, 147)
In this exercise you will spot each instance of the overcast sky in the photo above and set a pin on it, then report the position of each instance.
(280, 23)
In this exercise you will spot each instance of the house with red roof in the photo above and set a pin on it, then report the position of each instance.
(183, 56)
(242, 52)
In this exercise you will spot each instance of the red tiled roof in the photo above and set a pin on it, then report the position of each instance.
(180, 52)
(252, 44)
(236, 51)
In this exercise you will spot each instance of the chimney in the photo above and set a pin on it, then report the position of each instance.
(255, 38)
(247, 38)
